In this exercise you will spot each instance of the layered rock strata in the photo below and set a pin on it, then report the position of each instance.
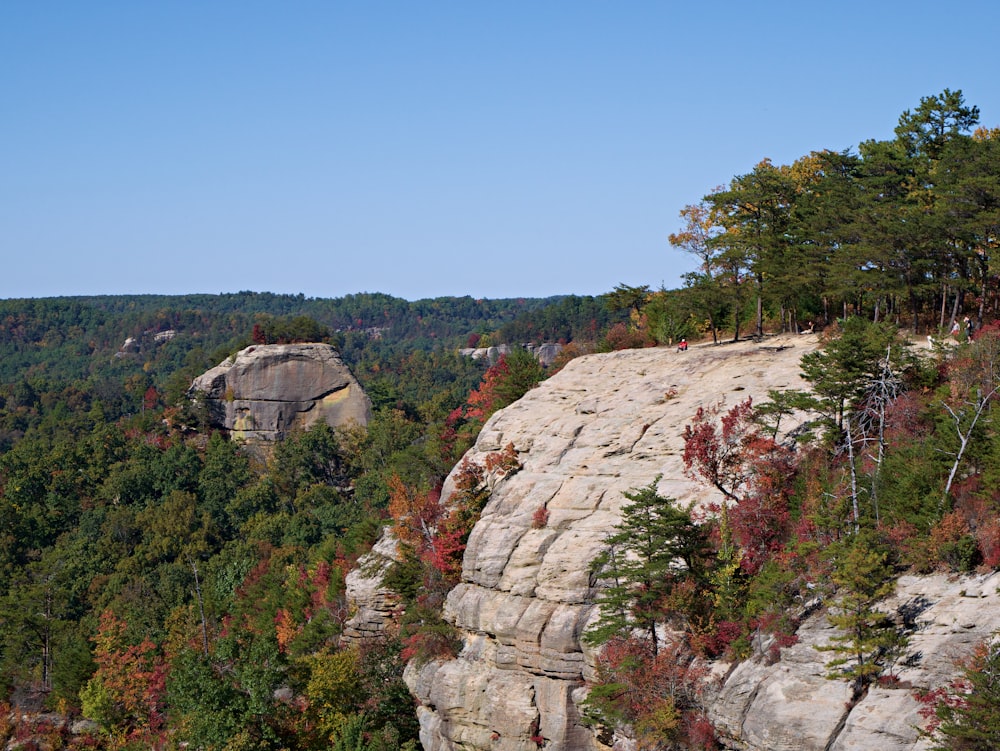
(266, 391)
(374, 605)
(604, 425)
(790, 705)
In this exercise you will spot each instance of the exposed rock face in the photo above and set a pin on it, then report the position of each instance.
(266, 391)
(544, 353)
(606, 424)
(603, 425)
(791, 706)
(373, 603)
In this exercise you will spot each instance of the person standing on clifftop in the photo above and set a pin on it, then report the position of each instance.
(682, 345)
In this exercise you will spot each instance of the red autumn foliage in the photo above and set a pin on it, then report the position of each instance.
(716, 641)
(648, 682)
(502, 463)
(988, 540)
(160, 441)
(751, 470)
(954, 695)
(905, 418)
(470, 476)
(445, 552)
(484, 400)
(620, 336)
(434, 533)
(449, 435)
(782, 630)
(978, 511)
(134, 675)
(760, 525)
(700, 731)
(427, 644)
(320, 582)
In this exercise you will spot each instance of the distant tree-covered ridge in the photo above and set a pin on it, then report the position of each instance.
(71, 337)
(129, 353)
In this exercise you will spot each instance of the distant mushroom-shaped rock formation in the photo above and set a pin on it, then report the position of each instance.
(264, 392)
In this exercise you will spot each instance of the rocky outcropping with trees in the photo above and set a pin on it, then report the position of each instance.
(604, 426)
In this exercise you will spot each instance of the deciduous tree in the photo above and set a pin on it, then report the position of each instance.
(753, 473)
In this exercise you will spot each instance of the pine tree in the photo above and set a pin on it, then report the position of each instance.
(869, 639)
(970, 719)
(840, 371)
(655, 549)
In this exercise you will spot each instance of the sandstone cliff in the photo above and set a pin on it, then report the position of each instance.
(266, 391)
(545, 353)
(605, 424)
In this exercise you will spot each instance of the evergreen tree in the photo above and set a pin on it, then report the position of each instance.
(624, 297)
(969, 720)
(756, 213)
(655, 549)
(869, 640)
(841, 372)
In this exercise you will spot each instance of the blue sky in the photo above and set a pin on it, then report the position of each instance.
(427, 148)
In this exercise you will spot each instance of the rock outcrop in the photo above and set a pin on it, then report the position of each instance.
(791, 706)
(266, 391)
(606, 424)
(374, 604)
(545, 353)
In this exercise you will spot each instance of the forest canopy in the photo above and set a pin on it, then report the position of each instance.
(905, 229)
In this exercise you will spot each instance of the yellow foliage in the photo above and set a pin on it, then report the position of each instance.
(334, 689)
(661, 723)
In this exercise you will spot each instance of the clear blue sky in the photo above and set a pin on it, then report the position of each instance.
(493, 149)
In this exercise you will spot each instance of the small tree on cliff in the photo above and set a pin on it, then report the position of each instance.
(654, 560)
(869, 641)
(654, 566)
(752, 471)
(841, 373)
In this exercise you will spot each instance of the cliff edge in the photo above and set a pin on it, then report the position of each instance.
(604, 425)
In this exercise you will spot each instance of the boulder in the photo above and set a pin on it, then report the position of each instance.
(266, 391)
